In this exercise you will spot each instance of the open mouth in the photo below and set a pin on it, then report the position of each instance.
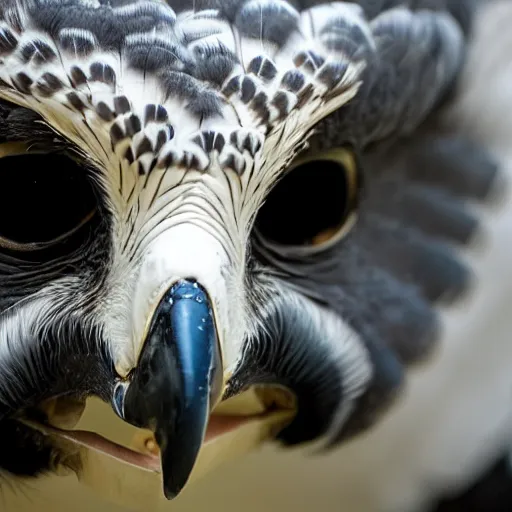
(127, 471)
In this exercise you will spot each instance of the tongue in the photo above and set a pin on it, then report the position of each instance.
(143, 452)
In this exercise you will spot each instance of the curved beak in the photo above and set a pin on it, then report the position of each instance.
(177, 381)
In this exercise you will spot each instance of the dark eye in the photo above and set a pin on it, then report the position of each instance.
(314, 204)
(44, 199)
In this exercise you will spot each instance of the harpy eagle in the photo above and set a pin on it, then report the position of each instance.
(202, 198)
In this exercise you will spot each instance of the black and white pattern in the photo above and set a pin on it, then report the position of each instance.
(185, 114)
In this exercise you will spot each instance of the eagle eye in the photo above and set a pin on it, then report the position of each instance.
(314, 203)
(44, 198)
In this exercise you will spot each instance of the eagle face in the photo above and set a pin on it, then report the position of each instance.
(195, 201)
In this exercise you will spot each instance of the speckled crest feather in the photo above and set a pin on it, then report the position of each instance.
(173, 87)
(173, 84)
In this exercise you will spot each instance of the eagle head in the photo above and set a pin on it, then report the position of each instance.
(192, 208)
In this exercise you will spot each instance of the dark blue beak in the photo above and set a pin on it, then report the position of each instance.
(176, 381)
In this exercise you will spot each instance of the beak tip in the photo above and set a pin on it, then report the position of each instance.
(173, 485)
(171, 492)
(176, 470)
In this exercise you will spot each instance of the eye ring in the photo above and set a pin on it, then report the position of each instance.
(301, 212)
(27, 213)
